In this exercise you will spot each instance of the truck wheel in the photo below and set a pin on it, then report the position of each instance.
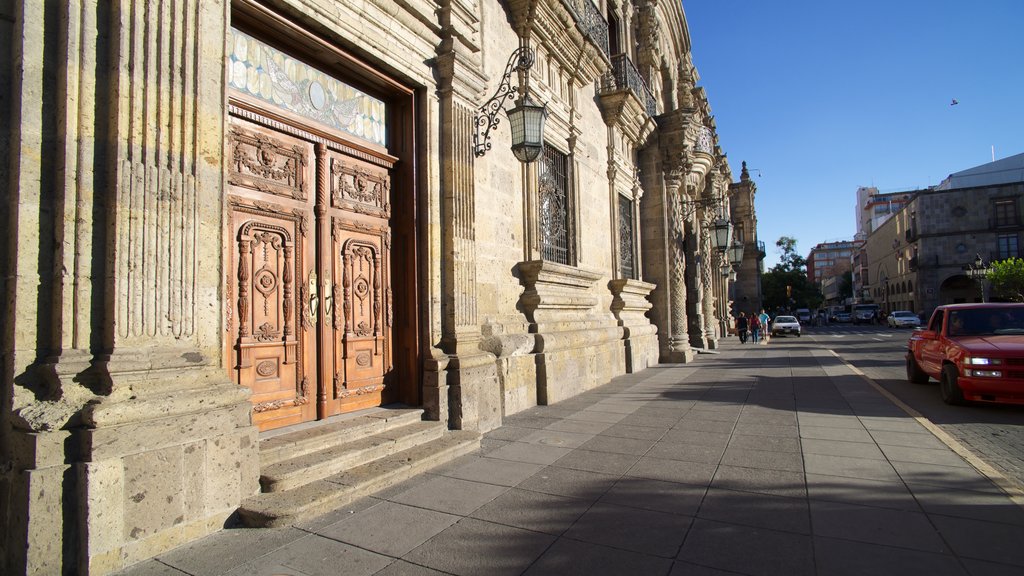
(914, 373)
(951, 393)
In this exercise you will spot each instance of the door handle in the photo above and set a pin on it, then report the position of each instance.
(328, 299)
(314, 297)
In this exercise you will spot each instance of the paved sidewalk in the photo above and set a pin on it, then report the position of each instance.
(761, 460)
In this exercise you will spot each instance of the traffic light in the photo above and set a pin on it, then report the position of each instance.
(789, 291)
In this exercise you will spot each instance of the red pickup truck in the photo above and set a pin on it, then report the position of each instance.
(975, 351)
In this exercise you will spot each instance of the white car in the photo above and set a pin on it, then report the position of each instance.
(904, 319)
(785, 325)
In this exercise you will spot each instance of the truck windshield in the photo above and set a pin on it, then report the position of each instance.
(986, 322)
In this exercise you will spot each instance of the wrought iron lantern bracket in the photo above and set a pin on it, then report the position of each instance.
(486, 117)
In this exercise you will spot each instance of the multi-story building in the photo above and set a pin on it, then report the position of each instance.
(829, 259)
(224, 219)
(874, 208)
(916, 260)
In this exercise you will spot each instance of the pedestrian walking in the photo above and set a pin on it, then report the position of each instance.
(742, 325)
(766, 329)
(755, 328)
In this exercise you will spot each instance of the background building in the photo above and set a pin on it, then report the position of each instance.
(915, 261)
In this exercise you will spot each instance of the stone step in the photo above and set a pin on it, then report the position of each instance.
(346, 454)
(281, 447)
(275, 509)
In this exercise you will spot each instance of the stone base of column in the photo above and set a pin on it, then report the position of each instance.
(679, 352)
(474, 396)
(161, 470)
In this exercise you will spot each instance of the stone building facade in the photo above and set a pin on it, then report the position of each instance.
(232, 216)
(915, 260)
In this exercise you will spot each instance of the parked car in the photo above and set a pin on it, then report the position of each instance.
(785, 325)
(904, 319)
(975, 351)
(843, 317)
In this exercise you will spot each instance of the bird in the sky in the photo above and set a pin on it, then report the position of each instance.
(954, 102)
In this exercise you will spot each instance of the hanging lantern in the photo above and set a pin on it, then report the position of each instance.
(736, 253)
(527, 123)
(723, 234)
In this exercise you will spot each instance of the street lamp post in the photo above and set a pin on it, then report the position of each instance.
(978, 271)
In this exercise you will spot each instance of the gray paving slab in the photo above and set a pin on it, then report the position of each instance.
(532, 453)
(900, 528)
(581, 426)
(645, 531)
(492, 471)
(549, 437)
(989, 541)
(569, 482)
(987, 506)
(846, 466)
(787, 461)
(571, 558)
(618, 445)
(848, 558)
(634, 432)
(535, 511)
(693, 473)
(473, 547)
(403, 568)
(764, 481)
(842, 448)
(657, 495)
(221, 552)
(765, 443)
(747, 550)
(687, 452)
(450, 495)
(845, 434)
(389, 528)
(756, 510)
(925, 456)
(314, 556)
(879, 493)
(604, 462)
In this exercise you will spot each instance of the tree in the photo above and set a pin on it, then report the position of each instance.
(786, 286)
(846, 285)
(1007, 279)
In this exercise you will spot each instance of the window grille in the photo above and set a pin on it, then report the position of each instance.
(555, 224)
(626, 235)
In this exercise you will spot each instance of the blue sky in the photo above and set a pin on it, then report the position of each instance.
(820, 97)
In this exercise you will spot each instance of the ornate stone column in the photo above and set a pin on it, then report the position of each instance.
(677, 168)
(461, 385)
(127, 437)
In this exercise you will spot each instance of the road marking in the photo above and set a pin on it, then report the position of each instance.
(1012, 490)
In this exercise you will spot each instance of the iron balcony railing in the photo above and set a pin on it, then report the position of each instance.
(624, 75)
(761, 254)
(592, 22)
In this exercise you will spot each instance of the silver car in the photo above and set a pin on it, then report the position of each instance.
(904, 319)
(785, 325)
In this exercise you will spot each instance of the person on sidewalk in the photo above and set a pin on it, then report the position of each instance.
(742, 325)
(755, 328)
(766, 329)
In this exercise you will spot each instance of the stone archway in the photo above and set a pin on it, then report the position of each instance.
(958, 288)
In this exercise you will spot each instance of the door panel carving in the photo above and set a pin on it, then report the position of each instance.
(310, 284)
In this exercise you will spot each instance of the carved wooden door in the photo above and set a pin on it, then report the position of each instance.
(309, 284)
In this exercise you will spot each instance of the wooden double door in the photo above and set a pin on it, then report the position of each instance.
(308, 256)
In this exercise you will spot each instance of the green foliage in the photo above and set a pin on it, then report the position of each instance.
(786, 286)
(1007, 279)
(846, 285)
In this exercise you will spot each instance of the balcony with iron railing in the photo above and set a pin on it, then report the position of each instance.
(591, 22)
(625, 76)
(761, 253)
